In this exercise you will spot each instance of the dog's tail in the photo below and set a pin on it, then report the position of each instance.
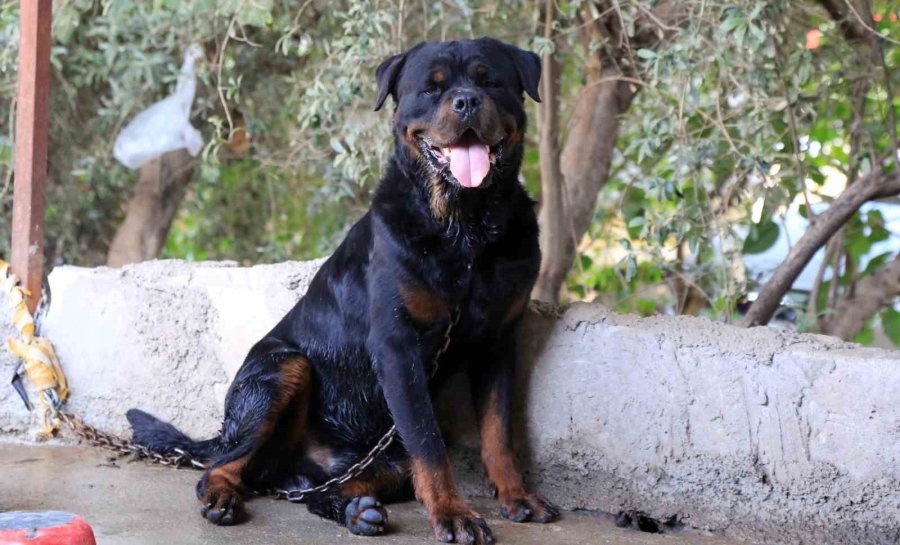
(163, 438)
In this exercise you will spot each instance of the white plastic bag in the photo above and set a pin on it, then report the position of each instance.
(165, 126)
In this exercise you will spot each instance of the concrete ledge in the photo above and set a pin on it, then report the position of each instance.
(762, 434)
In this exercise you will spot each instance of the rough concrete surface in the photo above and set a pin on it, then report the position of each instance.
(166, 335)
(139, 504)
(762, 434)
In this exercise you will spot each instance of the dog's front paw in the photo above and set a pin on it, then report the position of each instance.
(528, 508)
(467, 527)
(365, 516)
(222, 506)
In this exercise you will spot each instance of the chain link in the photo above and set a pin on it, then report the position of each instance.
(122, 446)
(298, 496)
(180, 458)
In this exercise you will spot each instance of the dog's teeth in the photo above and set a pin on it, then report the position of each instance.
(445, 151)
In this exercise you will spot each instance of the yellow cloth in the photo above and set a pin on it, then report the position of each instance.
(41, 364)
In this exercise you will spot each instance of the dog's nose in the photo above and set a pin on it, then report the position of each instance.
(465, 103)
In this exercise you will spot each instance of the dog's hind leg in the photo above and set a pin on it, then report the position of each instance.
(268, 402)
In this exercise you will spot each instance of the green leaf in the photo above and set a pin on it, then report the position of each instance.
(586, 261)
(732, 22)
(890, 321)
(866, 336)
(857, 244)
(646, 307)
(761, 237)
(877, 262)
(817, 176)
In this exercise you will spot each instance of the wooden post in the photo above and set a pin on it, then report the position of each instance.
(27, 255)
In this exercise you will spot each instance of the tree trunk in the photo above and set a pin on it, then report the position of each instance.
(591, 143)
(591, 140)
(871, 186)
(160, 189)
(872, 293)
(583, 169)
(585, 164)
(552, 215)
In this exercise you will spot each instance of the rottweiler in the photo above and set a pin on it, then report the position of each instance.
(451, 234)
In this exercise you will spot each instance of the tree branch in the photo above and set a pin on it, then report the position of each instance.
(158, 193)
(872, 293)
(875, 185)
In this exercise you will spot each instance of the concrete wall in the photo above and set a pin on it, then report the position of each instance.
(763, 434)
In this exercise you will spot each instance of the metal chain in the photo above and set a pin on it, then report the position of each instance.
(297, 496)
(115, 443)
(357, 469)
(181, 458)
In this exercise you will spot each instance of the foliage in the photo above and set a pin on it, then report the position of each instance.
(299, 74)
(738, 117)
(749, 107)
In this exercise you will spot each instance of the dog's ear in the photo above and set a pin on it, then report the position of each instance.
(528, 65)
(386, 77)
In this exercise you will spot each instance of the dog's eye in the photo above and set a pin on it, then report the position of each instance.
(490, 83)
(430, 90)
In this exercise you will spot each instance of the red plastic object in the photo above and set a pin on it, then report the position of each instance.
(44, 528)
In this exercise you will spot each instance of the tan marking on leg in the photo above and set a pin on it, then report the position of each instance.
(436, 490)
(496, 454)
(358, 488)
(296, 380)
(226, 479)
(382, 483)
(500, 465)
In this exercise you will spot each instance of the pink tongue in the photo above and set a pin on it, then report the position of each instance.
(469, 161)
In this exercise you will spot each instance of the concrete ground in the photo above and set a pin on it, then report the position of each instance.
(136, 503)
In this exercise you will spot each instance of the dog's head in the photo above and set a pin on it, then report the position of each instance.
(460, 108)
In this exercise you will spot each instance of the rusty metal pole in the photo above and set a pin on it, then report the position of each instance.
(27, 255)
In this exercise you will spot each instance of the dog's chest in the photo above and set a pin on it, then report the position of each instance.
(473, 288)
(455, 273)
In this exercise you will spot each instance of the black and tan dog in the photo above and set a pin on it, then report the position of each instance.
(450, 229)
